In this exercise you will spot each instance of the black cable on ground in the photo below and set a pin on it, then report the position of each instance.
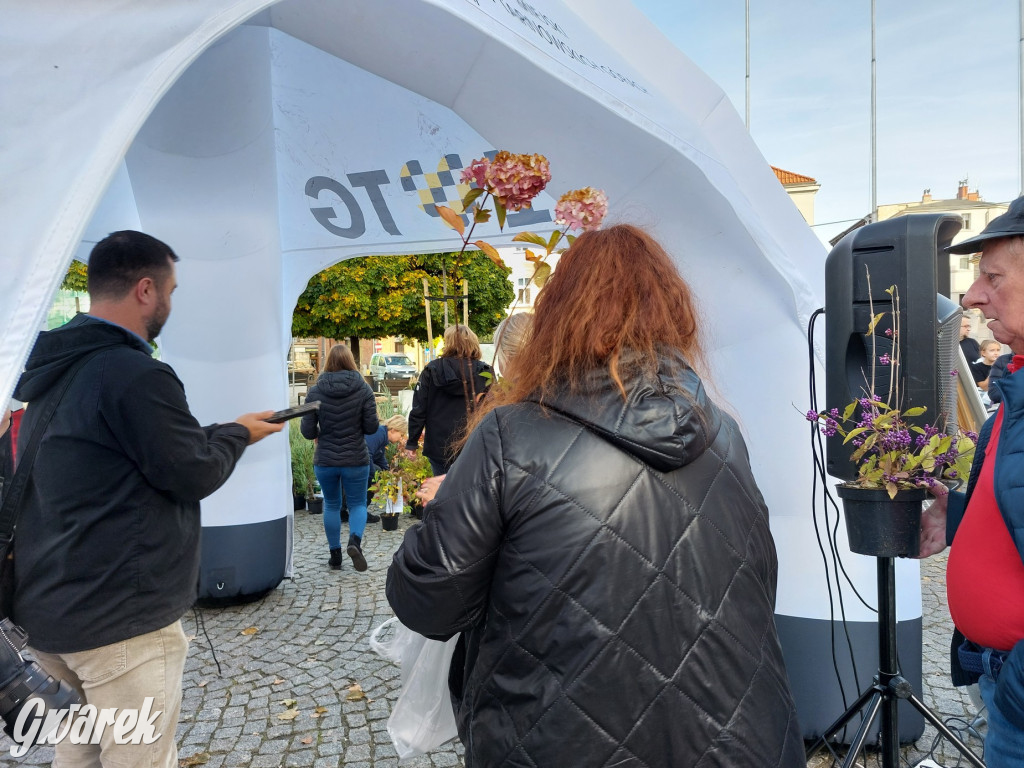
(201, 625)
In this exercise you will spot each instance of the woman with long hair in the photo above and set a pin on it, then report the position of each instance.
(448, 390)
(510, 337)
(601, 543)
(348, 411)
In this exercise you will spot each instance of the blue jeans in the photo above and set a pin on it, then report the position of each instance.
(1004, 742)
(354, 480)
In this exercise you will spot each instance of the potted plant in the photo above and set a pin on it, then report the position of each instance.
(898, 460)
(303, 478)
(398, 485)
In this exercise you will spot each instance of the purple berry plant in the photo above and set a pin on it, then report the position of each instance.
(891, 452)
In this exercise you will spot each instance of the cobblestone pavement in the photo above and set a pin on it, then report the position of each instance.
(310, 646)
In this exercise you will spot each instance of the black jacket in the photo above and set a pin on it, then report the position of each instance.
(107, 543)
(446, 390)
(348, 412)
(612, 569)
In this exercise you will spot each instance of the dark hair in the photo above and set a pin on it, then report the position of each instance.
(340, 359)
(615, 299)
(460, 341)
(121, 259)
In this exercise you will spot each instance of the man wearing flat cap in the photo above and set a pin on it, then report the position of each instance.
(985, 525)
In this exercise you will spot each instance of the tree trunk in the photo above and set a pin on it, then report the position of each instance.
(353, 344)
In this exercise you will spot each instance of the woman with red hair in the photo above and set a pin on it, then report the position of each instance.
(601, 543)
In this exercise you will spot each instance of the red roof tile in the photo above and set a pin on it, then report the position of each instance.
(788, 177)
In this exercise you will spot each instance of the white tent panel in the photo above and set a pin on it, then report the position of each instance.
(206, 132)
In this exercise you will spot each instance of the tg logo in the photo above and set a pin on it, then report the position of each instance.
(432, 189)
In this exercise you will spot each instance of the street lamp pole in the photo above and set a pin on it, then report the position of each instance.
(747, 49)
(874, 154)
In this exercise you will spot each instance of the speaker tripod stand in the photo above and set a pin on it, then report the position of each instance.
(889, 686)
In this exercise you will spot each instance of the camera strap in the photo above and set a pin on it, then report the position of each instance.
(9, 505)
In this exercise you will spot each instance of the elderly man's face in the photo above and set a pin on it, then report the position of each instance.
(999, 291)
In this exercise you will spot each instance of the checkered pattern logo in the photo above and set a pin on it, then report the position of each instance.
(444, 188)
(433, 189)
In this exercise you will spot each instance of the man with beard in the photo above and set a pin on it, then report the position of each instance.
(107, 541)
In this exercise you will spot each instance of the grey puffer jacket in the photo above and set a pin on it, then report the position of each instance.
(347, 412)
(612, 570)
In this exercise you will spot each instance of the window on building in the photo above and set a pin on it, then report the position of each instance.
(965, 263)
(967, 220)
(523, 290)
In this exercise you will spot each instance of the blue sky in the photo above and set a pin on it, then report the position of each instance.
(947, 76)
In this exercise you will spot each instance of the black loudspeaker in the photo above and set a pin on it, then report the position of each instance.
(905, 252)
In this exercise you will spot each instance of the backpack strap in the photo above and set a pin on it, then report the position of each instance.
(9, 506)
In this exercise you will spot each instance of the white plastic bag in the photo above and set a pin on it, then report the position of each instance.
(422, 718)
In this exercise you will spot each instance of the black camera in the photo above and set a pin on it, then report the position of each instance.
(21, 681)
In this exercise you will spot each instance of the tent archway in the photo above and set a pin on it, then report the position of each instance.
(207, 123)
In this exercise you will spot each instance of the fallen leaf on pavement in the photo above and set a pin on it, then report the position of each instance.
(250, 631)
(308, 740)
(288, 714)
(198, 759)
(355, 693)
(290, 702)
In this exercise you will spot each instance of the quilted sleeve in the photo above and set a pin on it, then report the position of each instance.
(440, 577)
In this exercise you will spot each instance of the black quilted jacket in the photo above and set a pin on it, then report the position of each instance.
(446, 389)
(347, 412)
(612, 570)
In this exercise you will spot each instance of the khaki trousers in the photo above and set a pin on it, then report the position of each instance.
(121, 676)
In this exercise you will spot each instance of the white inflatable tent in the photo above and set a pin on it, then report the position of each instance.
(266, 141)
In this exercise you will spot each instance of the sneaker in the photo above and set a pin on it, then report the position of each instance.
(335, 561)
(372, 518)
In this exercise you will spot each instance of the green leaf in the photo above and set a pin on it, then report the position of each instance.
(885, 420)
(874, 321)
(915, 411)
(849, 410)
(553, 240)
(570, 239)
(481, 215)
(500, 210)
(471, 197)
(541, 274)
(853, 433)
(530, 237)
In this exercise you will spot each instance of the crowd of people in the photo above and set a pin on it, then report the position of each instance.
(593, 524)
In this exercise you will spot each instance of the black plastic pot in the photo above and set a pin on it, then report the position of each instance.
(298, 502)
(316, 506)
(882, 527)
(389, 522)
